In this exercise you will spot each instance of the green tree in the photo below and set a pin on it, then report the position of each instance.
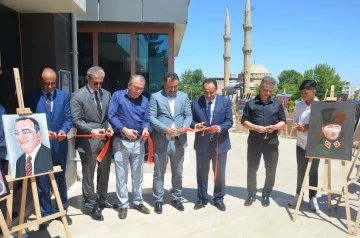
(289, 81)
(325, 76)
(191, 82)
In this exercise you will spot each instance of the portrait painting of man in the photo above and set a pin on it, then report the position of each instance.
(28, 145)
(331, 130)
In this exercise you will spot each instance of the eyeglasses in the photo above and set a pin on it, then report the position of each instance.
(98, 83)
(137, 88)
(24, 133)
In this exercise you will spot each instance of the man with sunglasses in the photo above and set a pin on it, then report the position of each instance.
(129, 116)
(89, 109)
(55, 104)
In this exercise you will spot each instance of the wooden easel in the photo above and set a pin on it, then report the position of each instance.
(7, 227)
(328, 189)
(327, 181)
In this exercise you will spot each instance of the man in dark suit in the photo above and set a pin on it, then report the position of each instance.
(56, 106)
(89, 108)
(37, 157)
(170, 116)
(211, 110)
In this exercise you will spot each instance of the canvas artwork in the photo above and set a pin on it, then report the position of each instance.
(331, 130)
(28, 145)
(4, 189)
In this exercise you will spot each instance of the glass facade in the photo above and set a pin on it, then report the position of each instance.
(152, 59)
(85, 55)
(120, 56)
(114, 58)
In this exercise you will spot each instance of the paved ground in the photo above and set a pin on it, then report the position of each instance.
(237, 221)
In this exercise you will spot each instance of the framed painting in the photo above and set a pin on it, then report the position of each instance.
(331, 130)
(65, 81)
(28, 145)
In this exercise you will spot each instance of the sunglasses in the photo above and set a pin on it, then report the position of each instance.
(97, 83)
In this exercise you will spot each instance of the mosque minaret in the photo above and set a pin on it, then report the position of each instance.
(226, 55)
(247, 47)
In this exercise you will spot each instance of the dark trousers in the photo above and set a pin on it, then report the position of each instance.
(44, 186)
(302, 162)
(269, 149)
(89, 162)
(202, 172)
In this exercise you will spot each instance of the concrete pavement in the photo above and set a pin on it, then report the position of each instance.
(236, 221)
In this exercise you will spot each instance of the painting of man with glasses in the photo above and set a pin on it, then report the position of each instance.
(34, 155)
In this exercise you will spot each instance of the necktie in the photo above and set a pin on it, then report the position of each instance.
(28, 167)
(48, 101)
(98, 103)
(208, 111)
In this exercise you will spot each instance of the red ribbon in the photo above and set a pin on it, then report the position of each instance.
(150, 148)
(102, 153)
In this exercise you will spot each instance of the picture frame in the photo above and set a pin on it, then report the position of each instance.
(27, 136)
(331, 130)
(65, 81)
(4, 188)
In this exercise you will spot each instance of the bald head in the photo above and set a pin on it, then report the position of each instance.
(48, 80)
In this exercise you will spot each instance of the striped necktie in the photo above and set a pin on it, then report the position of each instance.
(28, 167)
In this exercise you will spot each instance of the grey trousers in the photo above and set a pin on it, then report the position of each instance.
(125, 153)
(89, 162)
(176, 154)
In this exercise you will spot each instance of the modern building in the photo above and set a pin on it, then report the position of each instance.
(122, 36)
(349, 90)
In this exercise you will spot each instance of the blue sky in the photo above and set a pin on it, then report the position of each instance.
(286, 34)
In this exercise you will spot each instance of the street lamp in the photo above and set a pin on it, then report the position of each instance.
(190, 91)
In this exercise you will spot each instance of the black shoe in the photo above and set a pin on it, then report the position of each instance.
(95, 214)
(68, 219)
(44, 225)
(158, 207)
(178, 205)
(141, 208)
(221, 206)
(107, 204)
(250, 199)
(200, 204)
(123, 213)
(265, 202)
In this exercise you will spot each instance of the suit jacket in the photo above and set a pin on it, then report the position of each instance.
(86, 117)
(161, 118)
(58, 119)
(42, 163)
(222, 116)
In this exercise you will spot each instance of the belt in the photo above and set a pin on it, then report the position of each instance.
(264, 136)
(131, 140)
(175, 138)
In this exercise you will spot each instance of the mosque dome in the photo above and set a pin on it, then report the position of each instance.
(258, 69)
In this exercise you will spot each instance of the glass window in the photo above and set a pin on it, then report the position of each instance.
(114, 58)
(85, 56)
(152, 59)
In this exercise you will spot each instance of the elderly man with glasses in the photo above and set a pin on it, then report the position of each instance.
(36, 157)
(129, 116)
